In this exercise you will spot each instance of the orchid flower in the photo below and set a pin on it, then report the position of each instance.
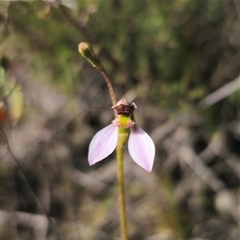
(140, 146)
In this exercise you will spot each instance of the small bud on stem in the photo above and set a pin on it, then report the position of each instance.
(86, 50)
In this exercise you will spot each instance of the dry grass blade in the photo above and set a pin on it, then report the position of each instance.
(221, 93)
(206, 174)
(3, 138)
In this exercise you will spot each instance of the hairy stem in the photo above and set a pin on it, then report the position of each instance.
(110, 88)
(122, 138)
(86, 50)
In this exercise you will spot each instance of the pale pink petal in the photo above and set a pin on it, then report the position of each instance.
(141, 148)
(103, 144)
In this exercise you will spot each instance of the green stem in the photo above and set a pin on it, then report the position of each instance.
(122, 138)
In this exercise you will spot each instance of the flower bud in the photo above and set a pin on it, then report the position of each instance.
(86, 50)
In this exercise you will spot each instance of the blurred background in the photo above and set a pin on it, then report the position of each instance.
(177, 60)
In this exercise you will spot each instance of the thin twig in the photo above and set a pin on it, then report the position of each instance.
(4, 139)
(89, 36)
